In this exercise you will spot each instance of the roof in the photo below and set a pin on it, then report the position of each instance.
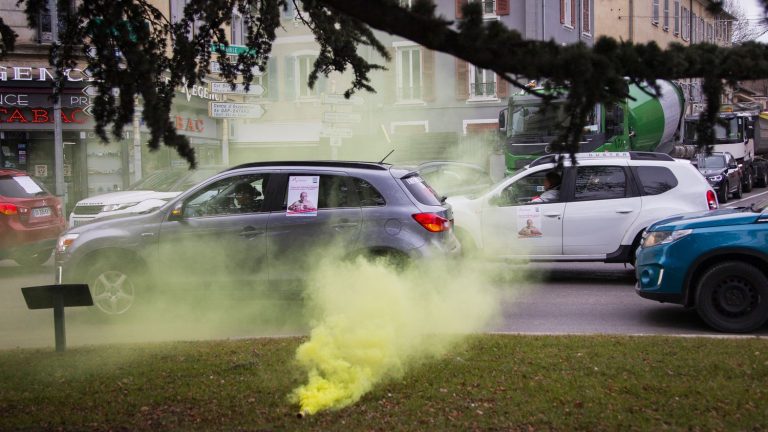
(632, 155)
(315, 163)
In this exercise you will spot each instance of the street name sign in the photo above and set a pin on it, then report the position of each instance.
(226, 88)
(341, 117)
(234, 110)
(230, 49)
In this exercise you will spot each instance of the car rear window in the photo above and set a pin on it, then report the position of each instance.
(21, 187)
(421, 190)
(656, 179)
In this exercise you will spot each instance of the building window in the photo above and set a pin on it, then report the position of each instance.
(289, 12)
(409, 127)
(694, 21)
(666, 15)
(677, 17)
(238, 30)
(586, 24)
(482, 83)
(304, 66)
(409, 75)
(710, 32)
(44, 27)
(567, 16)
(655, 13)
(686, 24)
(488, 6)
(406, 3)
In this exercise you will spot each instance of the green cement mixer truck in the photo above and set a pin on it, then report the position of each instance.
(641, 122)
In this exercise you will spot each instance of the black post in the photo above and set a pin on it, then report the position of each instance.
(58, 322)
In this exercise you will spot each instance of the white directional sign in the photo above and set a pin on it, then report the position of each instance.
(216, 68)
(91, 91)
(225, 88)
(331, 132)
(234, 110)
(337, 99)
(341, 117)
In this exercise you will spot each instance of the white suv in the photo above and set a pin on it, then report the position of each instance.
(600, 210)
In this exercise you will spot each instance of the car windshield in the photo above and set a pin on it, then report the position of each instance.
(536, 120)
(711, 162)
(21, 187)
(161, 181)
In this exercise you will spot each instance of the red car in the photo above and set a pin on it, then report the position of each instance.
(31, 219)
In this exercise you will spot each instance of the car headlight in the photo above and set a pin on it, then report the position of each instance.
(663, 237)
(65, 241)
(114, 207)
(715, 178)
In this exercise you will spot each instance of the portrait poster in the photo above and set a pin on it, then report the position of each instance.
(302, 195)
(529, 221)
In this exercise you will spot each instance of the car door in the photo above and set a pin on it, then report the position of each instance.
(299, 236)
(603, 207)
(209, 237)
(514, 226)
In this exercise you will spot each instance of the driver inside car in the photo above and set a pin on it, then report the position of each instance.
(246, 199)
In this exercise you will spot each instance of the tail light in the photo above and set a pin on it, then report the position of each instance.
(8, 209)
(711, 200)
(432, 222)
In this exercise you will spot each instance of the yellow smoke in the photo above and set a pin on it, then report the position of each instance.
(370, 322)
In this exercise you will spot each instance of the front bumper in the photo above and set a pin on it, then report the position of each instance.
(661, 270)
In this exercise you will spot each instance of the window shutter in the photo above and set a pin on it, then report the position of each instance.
(428, 83)
(501, 87)
(502, 7)
(562, 11)
(462, 80)
(272, 92)
(459, 4)
(290, 78)
(586, 24)
(573, 13)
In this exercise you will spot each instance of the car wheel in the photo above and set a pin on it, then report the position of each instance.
(34, 259)
(739, 191)
(763, 180)
(113, 287)
(733, 297)
(722, 195)
(750, 181)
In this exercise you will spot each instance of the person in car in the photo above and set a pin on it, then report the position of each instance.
(551, 189)
(246, 199)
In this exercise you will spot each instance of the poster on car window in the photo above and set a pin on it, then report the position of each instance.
(529, 221)
(302, 195)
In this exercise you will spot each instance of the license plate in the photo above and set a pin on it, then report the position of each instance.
(41, 212)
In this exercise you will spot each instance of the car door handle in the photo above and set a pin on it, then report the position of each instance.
(250, 232)
(551, 214)
(624, 211)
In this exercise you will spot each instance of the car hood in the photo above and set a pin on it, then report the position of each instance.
(126, 197)
(705, 219)
(712, 171)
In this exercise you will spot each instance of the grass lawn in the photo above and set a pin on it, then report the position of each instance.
(491, 382)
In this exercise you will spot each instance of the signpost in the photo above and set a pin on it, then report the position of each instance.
(226, 88)
(234, 110)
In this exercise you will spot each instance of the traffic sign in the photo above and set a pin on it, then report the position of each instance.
(230, 49)
(226, 88)
(337, 99)
(330, 131)
(88, 110)
(216, 68)
(341, 117)
(91, 91)
(234, 110)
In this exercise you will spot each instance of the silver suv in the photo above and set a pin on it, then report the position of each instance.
(256, 222)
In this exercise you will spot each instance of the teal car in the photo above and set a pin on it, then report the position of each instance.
(714, 261)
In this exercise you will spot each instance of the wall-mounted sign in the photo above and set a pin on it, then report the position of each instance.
(40, 115)
(41, 170)
(226, 88)
(189, 124)
(338, 99)
(230, 49)
(234, 110)
(330, 131)
(341, 117)
(28, 73)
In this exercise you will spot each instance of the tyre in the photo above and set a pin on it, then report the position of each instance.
(762, 179)
(722, 194)
(750, 181)
(733, 297)
(739, 192)
(33, 259)
(114, 285)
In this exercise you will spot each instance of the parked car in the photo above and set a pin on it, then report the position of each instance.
(148, 193)
(722, 172)
(450, 178)
(30, 218)
(209, 234)
(599, 210)
(715, 262)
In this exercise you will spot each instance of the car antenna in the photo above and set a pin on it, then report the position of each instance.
(382, 160)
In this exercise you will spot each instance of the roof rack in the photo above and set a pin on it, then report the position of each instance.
(316, 163)
(632, 155)
(643, 155)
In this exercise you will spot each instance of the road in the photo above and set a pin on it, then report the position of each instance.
(568, 298)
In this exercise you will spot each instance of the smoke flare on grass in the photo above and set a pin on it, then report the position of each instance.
(371, 322)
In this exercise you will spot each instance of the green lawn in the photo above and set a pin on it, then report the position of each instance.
(491, 382)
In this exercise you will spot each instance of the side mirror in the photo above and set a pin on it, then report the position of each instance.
(733, 165)
(750, 132)
(503, 120)
(177, 213)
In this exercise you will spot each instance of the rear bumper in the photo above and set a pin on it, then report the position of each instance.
(20, 239)
(29, 248)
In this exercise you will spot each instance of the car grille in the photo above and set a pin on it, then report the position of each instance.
(88, 209)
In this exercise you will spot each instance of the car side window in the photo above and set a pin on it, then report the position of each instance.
(523, 190)
(333, 192)
(367, 195)
(600, 182)
(231, 195)
(656, 180)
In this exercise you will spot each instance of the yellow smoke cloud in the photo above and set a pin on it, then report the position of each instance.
(370, 322)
